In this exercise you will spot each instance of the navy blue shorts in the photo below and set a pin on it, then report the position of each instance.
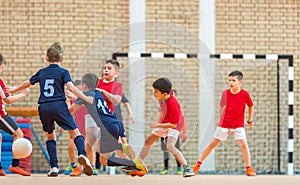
(123, 133)
(109, 138)
(8, 124)
(56, 112)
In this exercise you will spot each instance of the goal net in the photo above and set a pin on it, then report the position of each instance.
(199, 83)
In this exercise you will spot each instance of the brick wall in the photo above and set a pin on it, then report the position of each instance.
(91, 31)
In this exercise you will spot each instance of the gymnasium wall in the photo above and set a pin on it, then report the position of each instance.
(251, 26)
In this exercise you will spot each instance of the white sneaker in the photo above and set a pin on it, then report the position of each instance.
(85, 162)
(53, 172)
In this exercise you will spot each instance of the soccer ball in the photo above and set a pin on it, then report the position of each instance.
(21, 148)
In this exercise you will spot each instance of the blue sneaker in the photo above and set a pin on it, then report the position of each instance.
(68, 170)
(95, 171)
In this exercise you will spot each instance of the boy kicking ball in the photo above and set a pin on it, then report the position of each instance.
(110, 127)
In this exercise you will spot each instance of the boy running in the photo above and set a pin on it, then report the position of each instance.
(110, 126)
(170, 125)
(53, 108)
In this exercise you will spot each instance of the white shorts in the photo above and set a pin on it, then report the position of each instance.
(223, 133)
(89, 121)
(165, 132)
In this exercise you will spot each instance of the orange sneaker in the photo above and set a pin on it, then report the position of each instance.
(76, 172)
(18, 170)
(196, 168)
(250, 172)
(2, 173)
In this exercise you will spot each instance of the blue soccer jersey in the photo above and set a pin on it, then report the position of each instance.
(52, 80)
(109, 125)
(98, 110)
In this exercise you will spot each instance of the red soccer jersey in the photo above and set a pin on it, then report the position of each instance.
(4, 94)
(234, 110)
(79, 117)
(113, 87)
(171, 112)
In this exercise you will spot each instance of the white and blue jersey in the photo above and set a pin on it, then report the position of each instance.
(109, 125)
(52, 101)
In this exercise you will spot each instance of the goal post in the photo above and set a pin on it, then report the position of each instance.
(289, 149)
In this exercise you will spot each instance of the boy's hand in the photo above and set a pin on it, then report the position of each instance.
(132, 118)
(153, 125)
(90, 99)
(183, 137)
(70, 95)
(250, 123)
(10, 89)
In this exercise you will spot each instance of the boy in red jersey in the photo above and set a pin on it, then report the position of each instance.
(232, 110)
(8, 124)
(109, 88)
(112, 92)
(170, 124)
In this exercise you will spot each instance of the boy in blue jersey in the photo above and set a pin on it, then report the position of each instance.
(53, 107)
(109, 125)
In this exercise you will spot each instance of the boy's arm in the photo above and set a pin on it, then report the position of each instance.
(113, 98)
(250, 116)
(183, 135)
(164, 125)
(221, 110)
(78, 93)
(24, 85)
(17, 97)
(128, 109)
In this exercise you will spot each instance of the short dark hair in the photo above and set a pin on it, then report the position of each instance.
(55, 52)
(238, 74)
(114, 62)
(163, 84)
(2, 59)
(90, 79)
(77, 82)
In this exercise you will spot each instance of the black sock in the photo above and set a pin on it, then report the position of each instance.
(115, 161)
(178, 164)
(79, 142)
(51, 148)
(98, 164)
(15, 162)
(166, 160)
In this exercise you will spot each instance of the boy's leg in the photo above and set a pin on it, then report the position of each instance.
(187, 172)
(246, 156)
(163, 143)
(177, 153)
(15, 168)
(213, 144)
(147, 146)
(2, 173)
(71, 152)
(128, 150)
(90, 141)
(82, 159)
(52, 151)
(179, 169)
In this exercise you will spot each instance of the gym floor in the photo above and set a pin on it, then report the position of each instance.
(38, 179)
